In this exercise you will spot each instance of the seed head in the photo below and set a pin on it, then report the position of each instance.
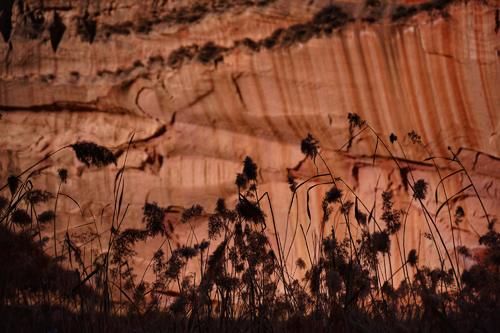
(250, 211)
(187, 252)
(463, 250)
(392, 219)
(333, 195)
(310, 146)
(414, 137)
(13, 182)
(215, 225)
(412, 257)
(249, 169)
(202, 246)
(355, 120)
(420, 189)
(20, 217)
(387, 200)
(490, 239)
(381, 242)
(300, 263)
(193, 211)
(63, 175)
(174, 265)
(37, 196)
(153, 217)
(90, 154)
(241, 180)
(46, 217)
(393, 138)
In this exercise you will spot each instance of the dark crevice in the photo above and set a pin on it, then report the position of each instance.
(476, 159)
(234, 79)
(201, 97)
(159, 132)
(137, 101)
(54, 107)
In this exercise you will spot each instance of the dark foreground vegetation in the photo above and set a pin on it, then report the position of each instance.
(245, 281)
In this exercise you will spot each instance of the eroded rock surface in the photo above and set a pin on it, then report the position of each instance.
(202, 84)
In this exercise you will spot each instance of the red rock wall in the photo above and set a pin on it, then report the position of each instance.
(434, 71)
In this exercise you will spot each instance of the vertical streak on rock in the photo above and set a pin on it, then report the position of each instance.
(455, 92)
(289, 118)
(424, 115)
(367, 57)
(224, 104)
(235, 118)
(398, 101)
(431, 89)
(362, 74)
(429, 113)
(282, 83)
(261, 96)
(406, 75)
(425, 112)
(441, 90)
(379, 68)
(350, 75)
(309, 76)
(330, 59)
(383, 67)
(488, 33)
(268, 112)
(294, 87)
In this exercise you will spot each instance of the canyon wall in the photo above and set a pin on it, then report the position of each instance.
(203, 84)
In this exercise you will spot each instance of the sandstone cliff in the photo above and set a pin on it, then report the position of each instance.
(204, 84)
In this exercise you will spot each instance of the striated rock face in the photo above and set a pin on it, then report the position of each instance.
(202, 84)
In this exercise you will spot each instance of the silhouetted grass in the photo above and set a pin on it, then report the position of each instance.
(246, 281)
